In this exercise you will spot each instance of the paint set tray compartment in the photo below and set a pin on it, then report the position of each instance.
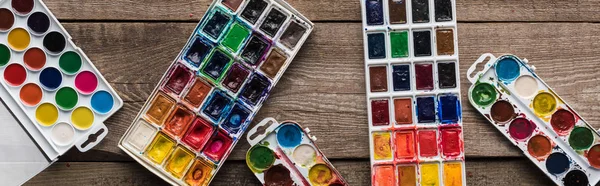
(413, 92)
(214, 88)
(516, 101)
(51, 81)
(285, 154)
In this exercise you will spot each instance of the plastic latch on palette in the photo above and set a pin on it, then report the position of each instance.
(99, 132)
(265, 127)
(285, 154)
(261, 129)
(473, 77)
(488, 64)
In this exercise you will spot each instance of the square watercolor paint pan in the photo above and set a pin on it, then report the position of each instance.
(214, 88)
(413, 92)
(285, 154)
(515, 100)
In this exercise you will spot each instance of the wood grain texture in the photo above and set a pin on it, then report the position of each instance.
(133, 42)
(356, 172)
(326, 92)
(326, 10)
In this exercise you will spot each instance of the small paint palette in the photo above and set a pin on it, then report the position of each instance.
(213, 89)
(413, 92)
(285, 154)
(535, 119)
(50, 84)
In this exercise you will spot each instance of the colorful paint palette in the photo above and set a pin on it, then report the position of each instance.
(214, 88)
(48, 82)
(285, 154)
(413, 92)
(535, 119)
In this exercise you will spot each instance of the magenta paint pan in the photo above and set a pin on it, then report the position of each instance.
(285, 154)
(39, 66)
(413, 92)
(515, 100)
(213, 89)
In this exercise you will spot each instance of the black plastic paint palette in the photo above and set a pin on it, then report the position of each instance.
(413, 92)
(214, 88)
(285, 154)
(535, 119)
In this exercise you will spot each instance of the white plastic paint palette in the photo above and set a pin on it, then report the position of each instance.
(413, 92)
(535, 119)
(284, 154)
(49, 80)
(214, 88)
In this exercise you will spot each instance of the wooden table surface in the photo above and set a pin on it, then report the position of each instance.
(132, 42)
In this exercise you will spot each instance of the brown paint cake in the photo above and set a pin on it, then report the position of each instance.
(502, 111)
(378, 79)
(278, 175)
(232, 4)
(7, 19)
(539, 147)
(397, 10)
(445, 41)
(273, 63)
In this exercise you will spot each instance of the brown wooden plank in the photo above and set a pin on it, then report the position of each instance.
(523, 11)
(325, 10)
(326, 92)
(185, 10)
(479, 172)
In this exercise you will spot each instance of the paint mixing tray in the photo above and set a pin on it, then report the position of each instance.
(48, 84)
(213, 89)
(413, 92)
(509, 94)
(284, 154)
(49, 79)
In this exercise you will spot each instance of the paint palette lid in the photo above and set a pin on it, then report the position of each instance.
(25, 158)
